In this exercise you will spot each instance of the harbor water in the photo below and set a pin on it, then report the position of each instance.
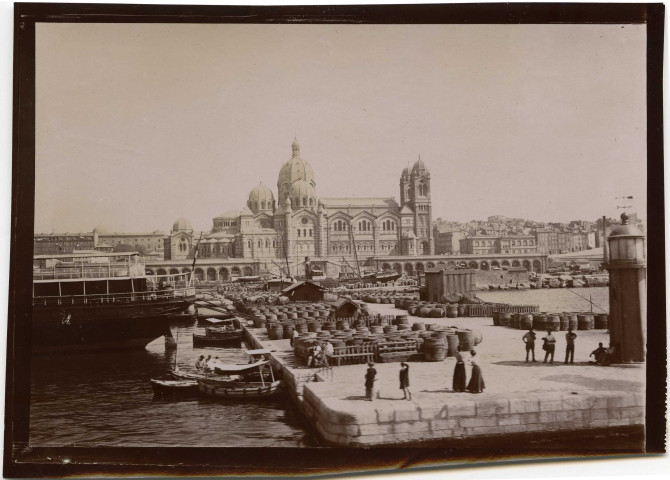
(554, 299)
(105, 399)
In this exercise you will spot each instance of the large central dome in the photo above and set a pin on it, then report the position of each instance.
(294, 170)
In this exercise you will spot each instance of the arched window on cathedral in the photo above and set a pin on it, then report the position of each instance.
(274, 243)
(249, 243)
(310, 232)
(304, 232)
(267, 244)
(298, 232)
(311, 202)
(304, 201)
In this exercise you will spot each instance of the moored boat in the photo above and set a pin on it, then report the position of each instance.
(182, 388)
(102, 301)
(251, 385)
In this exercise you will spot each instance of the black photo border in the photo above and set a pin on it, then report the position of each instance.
(23, 461)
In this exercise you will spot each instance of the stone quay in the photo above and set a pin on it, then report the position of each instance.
(519, 399)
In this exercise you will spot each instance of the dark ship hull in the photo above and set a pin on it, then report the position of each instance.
(103, 326)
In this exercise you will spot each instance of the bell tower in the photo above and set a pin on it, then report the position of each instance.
(419, 202)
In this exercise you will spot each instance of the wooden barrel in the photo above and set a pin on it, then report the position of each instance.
(337, 343)
(600, 322)
(401, 320)
(434, 350)
(355, 341)
(505, 319)
(573, 321)
(301, 327)
(339, 324)
(583, 322)
(466, 339)
(452, 345)
(496, 318)
(539, 321)
(313, 326)
(461, 310)
(525, 321)
(287, 330)
(329, 326)
(413, 310)
(452, 310)
(439, 334)
(418, 326)
(515, 320)
(390, 329)
(281, 316)
(276, 331)
(259, 321)
(424, 311)
(436, 313)
(563, 321)
(553, 322)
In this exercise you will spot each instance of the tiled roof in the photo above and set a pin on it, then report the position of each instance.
(360, 202)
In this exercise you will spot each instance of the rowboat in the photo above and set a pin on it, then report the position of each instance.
(163, 388)
(246, 387)
(227, 333)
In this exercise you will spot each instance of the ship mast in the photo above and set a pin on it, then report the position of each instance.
(353, 246)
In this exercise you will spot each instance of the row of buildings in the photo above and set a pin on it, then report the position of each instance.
(499, 234)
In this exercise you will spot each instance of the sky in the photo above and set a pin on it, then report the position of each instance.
(139, 124)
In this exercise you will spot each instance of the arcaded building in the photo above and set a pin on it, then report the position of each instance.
(297, 222)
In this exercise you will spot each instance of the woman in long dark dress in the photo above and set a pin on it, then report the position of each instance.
(459, 372)
(404, 381)
(476, 384)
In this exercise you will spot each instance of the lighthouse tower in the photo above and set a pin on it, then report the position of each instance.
(628, 292)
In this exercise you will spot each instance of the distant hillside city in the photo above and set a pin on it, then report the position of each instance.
(497, 234)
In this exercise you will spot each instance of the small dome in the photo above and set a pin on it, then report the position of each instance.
(625, 229)
(409, 234)
(301, 189)
(419, 167)
(405, 172)
(181, 224)
(261, 198)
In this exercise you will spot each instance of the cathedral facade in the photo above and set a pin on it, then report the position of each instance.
(298, 223)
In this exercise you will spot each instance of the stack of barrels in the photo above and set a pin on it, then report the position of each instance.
(551, 321)
(433, 310)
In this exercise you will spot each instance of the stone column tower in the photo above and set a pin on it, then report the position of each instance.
(419, 202)
(628, 293)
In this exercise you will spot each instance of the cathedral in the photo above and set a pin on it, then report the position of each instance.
(298, 223)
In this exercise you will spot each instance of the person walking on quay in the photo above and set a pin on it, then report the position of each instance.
(476, 384)
(404, 381)
(549, 346)
(570, 347)
(458, 383)
(370, 378)
(294, 336)
(529, 340)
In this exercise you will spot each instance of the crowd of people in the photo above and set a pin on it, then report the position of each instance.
(603, 356)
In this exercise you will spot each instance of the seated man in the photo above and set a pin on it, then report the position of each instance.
(314, 354)
(598, 353)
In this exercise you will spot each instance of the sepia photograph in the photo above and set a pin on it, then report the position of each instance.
(417, 234)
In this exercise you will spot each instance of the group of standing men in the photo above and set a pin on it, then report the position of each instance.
(549, 345)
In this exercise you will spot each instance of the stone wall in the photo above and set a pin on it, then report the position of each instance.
(468, 417)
